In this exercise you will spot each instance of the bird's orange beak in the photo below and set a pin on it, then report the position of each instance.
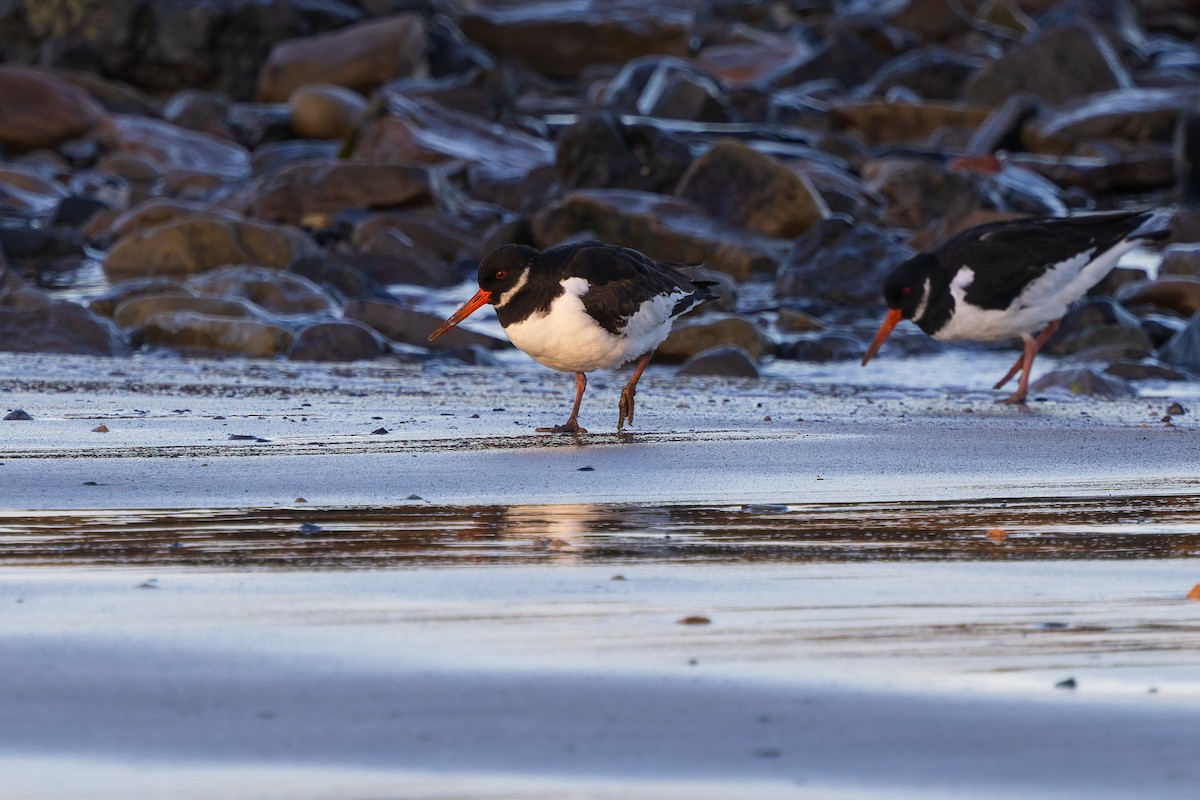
(890, 321)
(468, 308)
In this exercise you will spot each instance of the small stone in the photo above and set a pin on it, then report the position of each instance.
(586, 469)
(242, 437)
(622, 577)
(693, 620)
(997, 535)
(414, 497)
(100, 429)
(300, 500)
(309, 527)
(1069, 683)
(17, 414)
(379, 431)
(90, 483)
(1176, 410)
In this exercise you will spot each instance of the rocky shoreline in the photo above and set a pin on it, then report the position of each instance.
(307, 180)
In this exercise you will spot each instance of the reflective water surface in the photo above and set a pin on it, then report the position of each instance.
(303, 537)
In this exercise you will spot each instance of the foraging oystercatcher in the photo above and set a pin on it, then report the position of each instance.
(582, 307)
(1007, 279)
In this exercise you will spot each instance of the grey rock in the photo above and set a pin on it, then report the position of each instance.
(829, 346)
(1099, 321)
(337, 340)
(1183, 349)
(728, 361)
(840, 261)
(405, 325)
(1086, 382)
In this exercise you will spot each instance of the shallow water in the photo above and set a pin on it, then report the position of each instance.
(1100, 528)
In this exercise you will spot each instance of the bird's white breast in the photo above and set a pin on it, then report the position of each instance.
(568, 339)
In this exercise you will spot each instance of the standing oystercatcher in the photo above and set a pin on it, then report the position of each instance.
(1012, 278)
(582, 307)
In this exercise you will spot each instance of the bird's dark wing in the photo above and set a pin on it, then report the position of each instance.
(1006, 257)
(621, 280)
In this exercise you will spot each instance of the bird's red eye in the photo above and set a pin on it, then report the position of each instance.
(501, 274)
(906, 291)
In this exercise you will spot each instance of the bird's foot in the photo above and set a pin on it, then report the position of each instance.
(625, 409)
(570, 426)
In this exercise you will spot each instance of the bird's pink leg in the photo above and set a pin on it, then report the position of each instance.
(572, 423)
(1042, 338)
(1031, 348)
(625, 409)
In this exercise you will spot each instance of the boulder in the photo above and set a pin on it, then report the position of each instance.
(40, 110)
(844, 57)
(917, 191)
(325, 111)
(671, 229)
(560, 40)
(188, 245)
(841, 261)
(171, 147)
(1144, 370)
(337, 277)
(33, 322)
(599, 151)
(693, 336)
(928, 19)
(361, 57)
(136, 311)
(667, 88)
(157, 211)
(451, 231)
(337, 340)
(741, 186)
(932, 73)
(1183, 349)
(328, 187)
(1056, 65)
(193, 332)
(883, 122)
(277, 291)
(1177, 293)
(1181, 259)
(389, 256)
(828, 346)
(729, 361)
(1134, 115)
(1098, 321)
(407, 326)
(1084, 381)
(106, 304)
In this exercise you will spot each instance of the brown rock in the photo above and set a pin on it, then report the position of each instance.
(1179, 293)
(465, 230)
(405, 325)
(390, 256)
(173, 147)
(672, 229)
(337, 340)
(739, 185)
(601, 151)
(331, 186)
(738, 63)
(1057, 65)
(1135, 115)
(361, 57)
(1181, 259)
(729, 361)
(277, 291)
(137, 311)
(882, 122)
(24, 189)
(40, 110)
(159, 210)
(197, 243)
(929, 19)
(423, 131)
(842, 261)
(200, 333)
(1006, 14)
(32, 322)
(916, 191)
(1084, 381)
(325, 111)
(692, 336)
(106, 304)
(560, 40)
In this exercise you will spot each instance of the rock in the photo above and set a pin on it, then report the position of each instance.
(33, 322)
(1086, 382)
(23, 189)
(792, 320)
(1109, 353)
(728, 361)
(842, 262)
(672, 229)
(933, 73)
(1115, 280)
(361, 57)
(1098, 321)
(106, 304)
(390, 256)
(667, 88)
(157, 211)
(561, 40)
(741, 186)
(1144, 370)
(405, 325)
(172, 147)
(193, 244)
(272, 157)
(883, 122)
(200, 110)
(1181, 259)
(1183, 349)
(452, 231)
(1135, 115)
(277, 291)
(928, 19)
(1187, 155)
(328, 187)
(844, 57)
(191, 332)
(141, 309)
(917, 191)
(1148, 166)
(599, 151)
(1160, 328)
(693, 336)
(41, 110)
(17, 415)
(1180, 294)
(829, 346)
(338, 340)
(325, 111)
(422, 131)
(1002, 128)
(749, 56)
(1006, 14)
(337, 277)
(1055, 66)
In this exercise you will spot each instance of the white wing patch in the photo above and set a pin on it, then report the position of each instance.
(1041, 302)
(566, 338)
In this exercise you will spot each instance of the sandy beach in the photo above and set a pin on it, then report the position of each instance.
(458, 607)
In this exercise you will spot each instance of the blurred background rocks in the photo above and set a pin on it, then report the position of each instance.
(318, 179)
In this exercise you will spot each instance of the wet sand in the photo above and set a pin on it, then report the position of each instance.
(462, 608)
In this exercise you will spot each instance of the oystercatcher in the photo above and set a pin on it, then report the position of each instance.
(582, 307)
(1013, 278)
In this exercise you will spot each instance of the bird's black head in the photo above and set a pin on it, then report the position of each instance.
(905, 287)
(503, 269)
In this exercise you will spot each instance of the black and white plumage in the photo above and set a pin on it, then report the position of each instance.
(1011, 279)
(583, 307)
